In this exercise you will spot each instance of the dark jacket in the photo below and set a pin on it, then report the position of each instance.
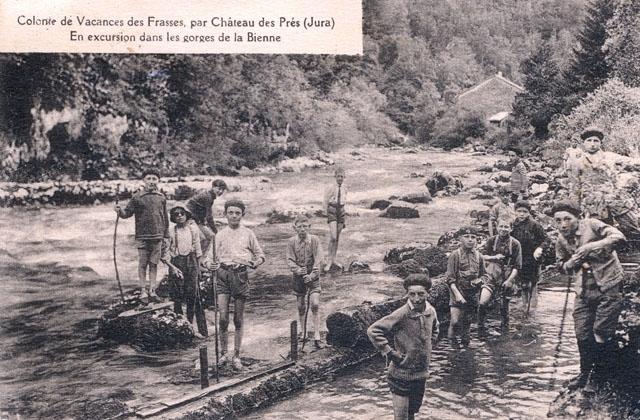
(411, 331)
(200, 207)
(531, 235)
(150, 210)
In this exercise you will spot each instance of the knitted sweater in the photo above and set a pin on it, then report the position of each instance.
(411, 333)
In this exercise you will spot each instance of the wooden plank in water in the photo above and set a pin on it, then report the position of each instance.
(145, 309)
(162, 406)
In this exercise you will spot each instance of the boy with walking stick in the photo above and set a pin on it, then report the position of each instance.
(149, 206)
(584, 251)
(303, 258)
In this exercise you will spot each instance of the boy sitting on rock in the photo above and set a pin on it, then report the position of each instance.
(410, 328)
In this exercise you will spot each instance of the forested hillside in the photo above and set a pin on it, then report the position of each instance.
(88, 116)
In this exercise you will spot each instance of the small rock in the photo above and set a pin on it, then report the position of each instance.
(423, 198)
(380, 204)
(401, 212)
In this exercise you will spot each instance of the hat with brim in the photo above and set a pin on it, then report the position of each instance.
(172, 212)
(592, 132)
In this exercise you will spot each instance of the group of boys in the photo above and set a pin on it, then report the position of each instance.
(511, 255)
(584, 251)
(194, 245)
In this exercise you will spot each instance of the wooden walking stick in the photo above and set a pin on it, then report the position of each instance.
(306, 316)
(556, 355)
(115, 233)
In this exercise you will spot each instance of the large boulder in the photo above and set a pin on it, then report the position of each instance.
(439, 181)
(149, 331)
(420, 255)
(400, 212)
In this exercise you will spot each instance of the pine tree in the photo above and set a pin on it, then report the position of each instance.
(541, 100)
(589, 69)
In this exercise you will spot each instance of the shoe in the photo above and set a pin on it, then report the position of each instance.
(223, 360)
(578, 382)
(144, 297)
(318, 344)
(153, 298)
(237, 363)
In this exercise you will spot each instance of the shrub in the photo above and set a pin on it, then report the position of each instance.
(454, 128)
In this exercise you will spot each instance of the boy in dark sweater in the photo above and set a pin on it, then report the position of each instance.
(410, 328)
(149, 206)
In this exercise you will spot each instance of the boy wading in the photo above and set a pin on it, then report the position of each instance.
(237, 250)
(503, 256)
(465, 276)
(584, 250)
(410, 329)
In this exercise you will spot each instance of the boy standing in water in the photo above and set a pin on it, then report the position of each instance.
(152, 227)
(184, 267)
(465, 276)
(503, 256)
(334, 202)
(584, 250)
(532, 237)
(237, 249)
(410, 328)
(303, 258)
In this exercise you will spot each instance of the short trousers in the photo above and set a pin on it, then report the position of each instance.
(470, 295)
(149, 250)
(597, 312)
(301, 289)
(233, 283)
(336, 214)
(413, 389)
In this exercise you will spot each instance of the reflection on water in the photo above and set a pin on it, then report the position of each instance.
(51, 365)
(493, 379)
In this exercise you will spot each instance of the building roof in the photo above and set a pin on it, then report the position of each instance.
(500, 116)
(497, 77)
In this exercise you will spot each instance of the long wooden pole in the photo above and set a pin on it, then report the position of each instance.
(115, 234)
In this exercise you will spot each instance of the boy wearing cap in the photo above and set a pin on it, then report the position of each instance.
(237, 250)
(503, 256)
(185, 256)
(303, 259)
(532, 238)
(596, 185)
(410, 329)
(201, 208)
(584, 249)
(465, 276)
(334, 203)
(149, 206)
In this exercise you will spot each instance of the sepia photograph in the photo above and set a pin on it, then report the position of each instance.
(443, 226)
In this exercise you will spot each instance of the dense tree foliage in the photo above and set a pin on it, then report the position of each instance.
(95, 116)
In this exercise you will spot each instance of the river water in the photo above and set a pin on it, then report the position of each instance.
(57, 278)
